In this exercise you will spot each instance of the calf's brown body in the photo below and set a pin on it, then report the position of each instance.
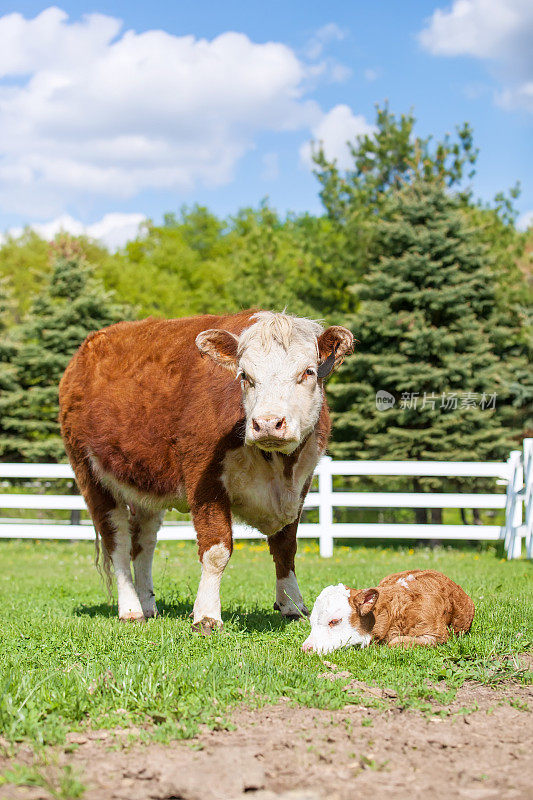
(412, 607)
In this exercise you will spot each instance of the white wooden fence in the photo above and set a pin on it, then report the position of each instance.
(516, 474)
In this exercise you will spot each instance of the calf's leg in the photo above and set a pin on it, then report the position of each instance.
(289, 600)
(410, 641)
(144, 526)
(212, 523)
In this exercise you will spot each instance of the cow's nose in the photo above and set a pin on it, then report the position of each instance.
(307, 647)
(269, 427)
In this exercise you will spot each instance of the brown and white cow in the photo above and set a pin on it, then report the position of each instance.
(417, 606)
(223, 416)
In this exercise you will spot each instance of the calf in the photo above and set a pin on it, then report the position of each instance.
(223, 416)
(412, 607)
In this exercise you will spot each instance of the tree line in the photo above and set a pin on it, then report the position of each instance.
(435, 285)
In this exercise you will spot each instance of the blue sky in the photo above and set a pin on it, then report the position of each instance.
(114, 111)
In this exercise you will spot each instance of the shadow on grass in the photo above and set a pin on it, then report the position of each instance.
(255, 620)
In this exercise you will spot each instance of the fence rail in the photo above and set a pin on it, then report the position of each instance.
(516, 473)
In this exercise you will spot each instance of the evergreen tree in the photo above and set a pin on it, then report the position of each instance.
(39, 349)
(7, 346)
(383, 162)
(358, 198)
(427, 304)
(6, 308)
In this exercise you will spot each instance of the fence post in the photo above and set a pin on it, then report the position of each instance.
(528, 495)
(325, 507)
(513, 508)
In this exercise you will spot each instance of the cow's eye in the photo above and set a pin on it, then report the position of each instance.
(333, 622)
(309, 372)
(245, 378)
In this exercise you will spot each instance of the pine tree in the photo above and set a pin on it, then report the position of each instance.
(39, 349)
(357, 198)
(427, 304)
(7, 346)
(382, 162)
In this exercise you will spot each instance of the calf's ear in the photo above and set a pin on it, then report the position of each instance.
(333, 346)
(219, 345)
(364, 600)
(368, 601)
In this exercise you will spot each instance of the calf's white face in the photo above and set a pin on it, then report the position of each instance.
(277, 362)
(336, 619)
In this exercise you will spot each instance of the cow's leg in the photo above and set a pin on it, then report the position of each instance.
(111, 521)
(213, 529)
(289, 600)
(129, 605)
(144, 526)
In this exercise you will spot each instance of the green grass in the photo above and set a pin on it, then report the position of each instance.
(62, 783)
(66, 661)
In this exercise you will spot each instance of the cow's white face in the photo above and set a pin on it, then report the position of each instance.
(277, 362)
(281, 394)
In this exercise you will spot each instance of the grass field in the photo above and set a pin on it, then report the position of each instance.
(66, 661)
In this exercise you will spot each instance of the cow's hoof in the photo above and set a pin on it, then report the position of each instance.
(290, 614)
(133, 616)
(206, 626)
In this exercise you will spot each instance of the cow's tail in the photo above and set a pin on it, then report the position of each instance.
(102, 562)
(99, 503)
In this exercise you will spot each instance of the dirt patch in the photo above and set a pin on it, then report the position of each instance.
(483, 750)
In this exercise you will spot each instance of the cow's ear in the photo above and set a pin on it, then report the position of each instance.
(219, 345)
(333, 346)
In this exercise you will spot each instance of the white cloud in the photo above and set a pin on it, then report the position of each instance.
(339, 126)
(525, 221)
(327, 68)
(497, 31)
(331, 32)
(338, 73)
(89, 110)
(518, 97)
(113, 230)
(371, 74)
(322, 37)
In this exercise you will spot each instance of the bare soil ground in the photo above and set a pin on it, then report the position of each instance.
(483, 749)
